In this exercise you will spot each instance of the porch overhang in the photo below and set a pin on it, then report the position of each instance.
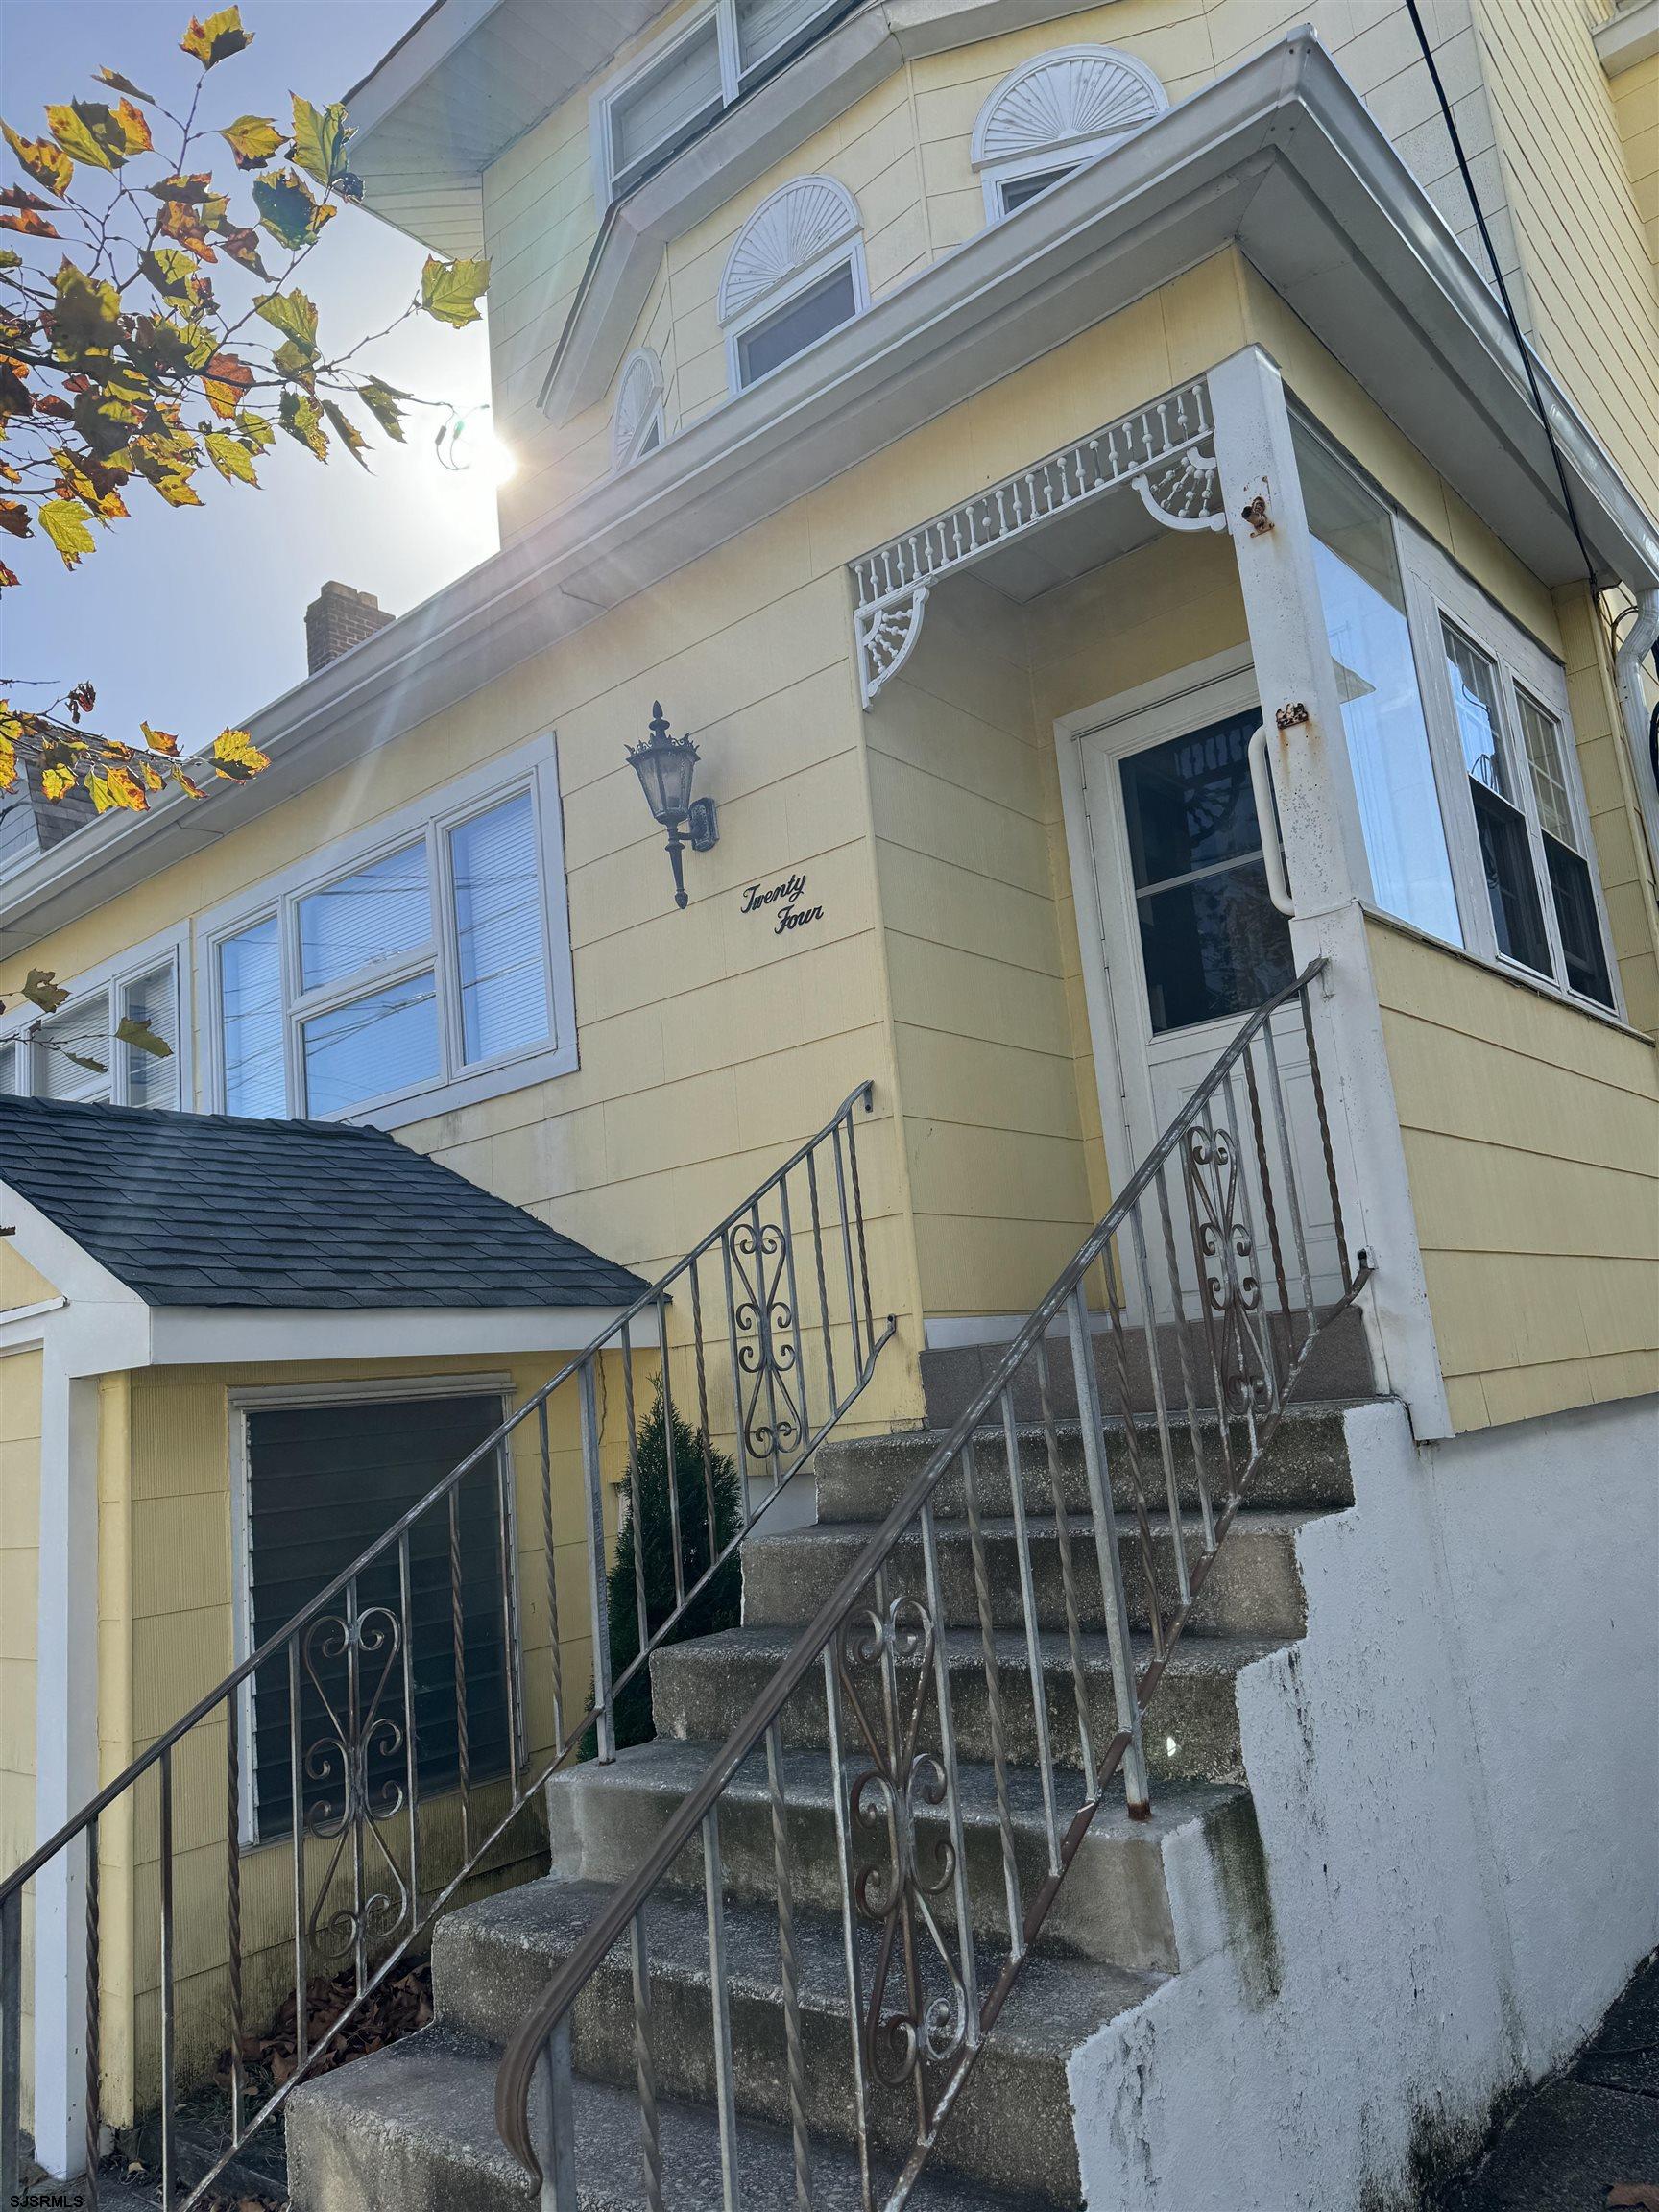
(1278, 158)
(187, 1240)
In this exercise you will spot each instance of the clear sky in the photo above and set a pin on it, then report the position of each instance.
(193, 619)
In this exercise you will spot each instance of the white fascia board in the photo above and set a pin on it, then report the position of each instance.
(1630, 37)
(1278, 156)
(90, 1299)
(214, 1336)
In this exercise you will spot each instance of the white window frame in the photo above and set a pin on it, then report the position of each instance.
(627, 448)
(735, 78)
(274, 1397)
(847, 253)
(1436, 590)
(534, 770)
(171, 949)
(1065, 155)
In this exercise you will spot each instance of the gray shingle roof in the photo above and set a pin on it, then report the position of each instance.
(212, 1210)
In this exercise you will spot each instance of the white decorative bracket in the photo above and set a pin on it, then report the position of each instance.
(1165, 451)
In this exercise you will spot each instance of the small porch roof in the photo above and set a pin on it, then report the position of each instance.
(209, 1236)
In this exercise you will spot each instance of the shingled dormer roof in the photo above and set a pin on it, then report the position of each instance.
(210, 1209)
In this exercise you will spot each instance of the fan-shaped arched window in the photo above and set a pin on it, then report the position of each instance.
(636, 429)
(794, 273)
(1052, 116)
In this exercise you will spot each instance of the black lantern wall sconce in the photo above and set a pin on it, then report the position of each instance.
(665, 767)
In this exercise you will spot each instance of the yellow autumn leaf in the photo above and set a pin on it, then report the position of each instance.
(58, 783)
(253, 139)
(126, 789)
(449, 290)
(216, 39)
(65, 521)
(159, 741)
(46, 163)
(234, 754)
(233, 459)
(89, 133)
(8, 762)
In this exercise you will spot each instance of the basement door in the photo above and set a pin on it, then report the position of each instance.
(1187, 941)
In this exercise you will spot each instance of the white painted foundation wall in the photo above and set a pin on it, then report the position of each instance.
(1457, 1780)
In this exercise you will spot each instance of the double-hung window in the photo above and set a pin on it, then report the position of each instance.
(1458, 742)
(388, 980)
(684, 81)
(116, 1037)
(1516, 816)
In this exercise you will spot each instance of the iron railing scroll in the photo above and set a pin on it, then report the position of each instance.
(385, 1797)
(1166, 1352)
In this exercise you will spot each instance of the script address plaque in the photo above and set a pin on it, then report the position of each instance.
(788, 898)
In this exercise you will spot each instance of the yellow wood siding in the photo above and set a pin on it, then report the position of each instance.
(1588, 257)
(1531, 1136)
(1636, 111)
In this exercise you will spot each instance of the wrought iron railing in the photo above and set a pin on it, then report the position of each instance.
(759, 1339)
(1164, 1309)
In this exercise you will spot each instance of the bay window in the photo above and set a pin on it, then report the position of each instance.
(388, 981)
(686, 82)
(1474, 826)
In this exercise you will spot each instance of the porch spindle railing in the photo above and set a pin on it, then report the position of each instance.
(758, 1340)
(1219, 1247)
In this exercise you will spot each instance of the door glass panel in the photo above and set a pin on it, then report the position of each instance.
(1365, 623)
(1213, 944)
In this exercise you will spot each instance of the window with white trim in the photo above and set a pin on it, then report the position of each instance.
(639, 426)
(794, 273)
(1459, 743)
(116, 1037)
(1054, 115)
(684, 82)
(414, 968)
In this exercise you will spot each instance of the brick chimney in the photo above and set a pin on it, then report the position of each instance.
(337, 620)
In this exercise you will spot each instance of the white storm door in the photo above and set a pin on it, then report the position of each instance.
(1191, 944)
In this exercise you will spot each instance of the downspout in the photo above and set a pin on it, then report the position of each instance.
(1637, 642)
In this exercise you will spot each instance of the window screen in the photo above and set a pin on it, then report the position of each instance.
(668, 103)
(765, 26)
(152, 1078)
(324, 1481)
(74, 1049)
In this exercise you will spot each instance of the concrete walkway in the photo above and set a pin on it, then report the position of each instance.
(1580, 2137)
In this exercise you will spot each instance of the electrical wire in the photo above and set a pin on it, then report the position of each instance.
(1521, 346)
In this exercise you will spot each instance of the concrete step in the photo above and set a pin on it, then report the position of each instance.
(700, 1690)
(1254, 1587)
(1338, 1367)
(413, 2126)
(862, 1478)
(1010, 2128)
(1114, 1905)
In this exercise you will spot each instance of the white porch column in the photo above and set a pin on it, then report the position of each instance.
(65, 1754)
(1325, 860)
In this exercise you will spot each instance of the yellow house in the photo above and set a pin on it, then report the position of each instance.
(1072, 472)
